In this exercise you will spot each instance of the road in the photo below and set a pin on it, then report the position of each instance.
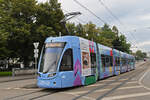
(133, 85)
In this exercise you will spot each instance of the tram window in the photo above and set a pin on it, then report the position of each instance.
(103, 60)
(107, 61)
(129, 61)
(124, 62)
(111, 61)
(132, 61)
(118, 62)
(67, 61)
(93, 60)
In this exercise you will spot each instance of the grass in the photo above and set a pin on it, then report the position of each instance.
(5, 73)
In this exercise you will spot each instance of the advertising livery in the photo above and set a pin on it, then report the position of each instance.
(70, 61)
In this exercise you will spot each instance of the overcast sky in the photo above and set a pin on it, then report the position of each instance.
(133, 14)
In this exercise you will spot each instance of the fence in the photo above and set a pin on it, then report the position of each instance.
(23, 71)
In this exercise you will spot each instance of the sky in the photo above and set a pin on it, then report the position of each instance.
(133, 16)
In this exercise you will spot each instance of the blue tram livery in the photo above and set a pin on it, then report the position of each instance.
(70, 61)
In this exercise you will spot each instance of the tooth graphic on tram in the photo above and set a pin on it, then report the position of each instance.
(70, 61)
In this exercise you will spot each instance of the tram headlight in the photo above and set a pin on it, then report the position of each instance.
(51, 75)
(39, 74)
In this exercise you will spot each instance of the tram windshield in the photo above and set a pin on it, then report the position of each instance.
(51, 56)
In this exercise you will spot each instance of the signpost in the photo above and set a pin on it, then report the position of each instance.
(36, 51)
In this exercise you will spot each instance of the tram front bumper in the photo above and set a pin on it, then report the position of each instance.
(49, 83)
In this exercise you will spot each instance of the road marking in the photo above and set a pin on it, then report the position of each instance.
(123, 79)
(103, 90)
(17, 88)
(140, 80)
(8, 88)
(86, 97)
(31, 89)
(22, 89)
(110, 80)
(106, 80)
(126, 96)
(111, 84)
(131, 87)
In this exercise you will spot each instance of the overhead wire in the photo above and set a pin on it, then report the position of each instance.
(90, 11)
(110, 11)
(99, 18)
(115, 17)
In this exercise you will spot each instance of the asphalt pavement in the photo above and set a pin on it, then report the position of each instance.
(133, 85)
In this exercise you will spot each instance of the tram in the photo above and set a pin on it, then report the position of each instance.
(70, 61)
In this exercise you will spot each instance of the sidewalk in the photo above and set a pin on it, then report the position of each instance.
(23, 77)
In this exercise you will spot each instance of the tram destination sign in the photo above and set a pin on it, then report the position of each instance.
(53, 45)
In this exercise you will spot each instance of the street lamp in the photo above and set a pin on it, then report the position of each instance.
(87, 34)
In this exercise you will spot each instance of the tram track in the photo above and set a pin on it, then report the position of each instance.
(135, 72)
(53, 91)
(118, 86)
(31, 93)
(16, 80)
(43, 95)
(14, 97)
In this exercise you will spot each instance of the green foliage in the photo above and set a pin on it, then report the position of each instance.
(121, 44)
(140, 55)
(71, 27)
(23, 22)
(103, 35)
(5, 73)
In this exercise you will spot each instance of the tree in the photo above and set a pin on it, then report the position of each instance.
(80, 30)
(22, 13)
(108, 35)
(103, 35)
(47, 23)
(4, 52)
(115, 30)
(4, 22)
(26, 21)
(71, 28)
(23, 22)
(140, 55)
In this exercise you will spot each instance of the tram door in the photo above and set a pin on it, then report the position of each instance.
(66, 68)
(88, 61)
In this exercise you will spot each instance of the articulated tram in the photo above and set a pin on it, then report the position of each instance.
(70, 61)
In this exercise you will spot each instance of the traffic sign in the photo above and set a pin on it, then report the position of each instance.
(36, 44)
(36, 55)
(36, 51)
